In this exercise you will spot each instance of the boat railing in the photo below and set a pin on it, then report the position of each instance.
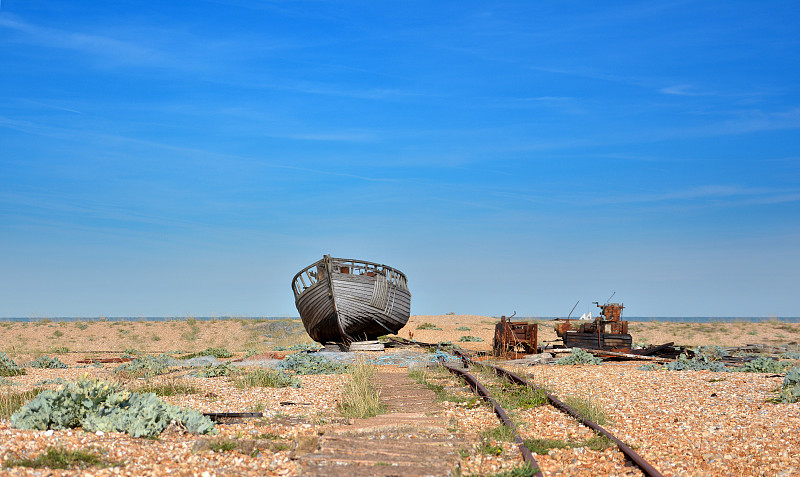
(361, 267)
(306, 278)
(311, 275)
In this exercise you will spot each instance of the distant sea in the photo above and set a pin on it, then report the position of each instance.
(145, 318)
(673, 319)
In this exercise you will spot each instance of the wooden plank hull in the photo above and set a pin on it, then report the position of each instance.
(350, 300)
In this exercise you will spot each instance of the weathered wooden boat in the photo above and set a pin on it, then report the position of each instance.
(343, 300)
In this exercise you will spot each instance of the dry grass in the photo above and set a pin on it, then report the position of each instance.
(360, 399)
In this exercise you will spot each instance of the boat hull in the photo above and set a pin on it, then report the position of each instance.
(344, 300)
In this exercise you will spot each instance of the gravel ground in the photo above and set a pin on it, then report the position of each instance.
(684, 423)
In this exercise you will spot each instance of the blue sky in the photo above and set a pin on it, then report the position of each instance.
(187, 158)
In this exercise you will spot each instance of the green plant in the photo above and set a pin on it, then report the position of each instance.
(499, 433)
(543, 446)
(763, 364)
(588, 409)
(213, 371)
(298, 347)
(99, 406)
(46, 362)
(224, 445)
(60, 458)
(463, 328)
(427, 326)
(360, 398)
(49, 381)
(486, 447)
(790, 355)
(421, 377)
(307, 363)
(146, 366)
(700, 361)
(469, 339)
(268, 378)
(789, 391)
(522, 397)
(8, 367)
(132, 353)
(579, 356)
(215, 352)
(59, 350)
(170, 388)
(598, 443)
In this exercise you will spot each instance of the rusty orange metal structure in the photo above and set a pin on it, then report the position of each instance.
(510, 337)
(606, 332)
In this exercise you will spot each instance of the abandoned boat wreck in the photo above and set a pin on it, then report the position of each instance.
(343, 300)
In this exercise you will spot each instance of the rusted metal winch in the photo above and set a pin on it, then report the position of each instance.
(606, 332)
(512, 337)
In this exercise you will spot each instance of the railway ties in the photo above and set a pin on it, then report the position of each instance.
(527, 456)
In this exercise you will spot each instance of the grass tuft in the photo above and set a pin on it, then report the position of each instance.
(587, 409)
(170, 388)
(543, 446)
(10, 402)
(499, 433)
(60, 458)
(267, 378)
(360, 398)
(427, 326)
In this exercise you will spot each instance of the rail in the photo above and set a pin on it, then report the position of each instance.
(481, 390)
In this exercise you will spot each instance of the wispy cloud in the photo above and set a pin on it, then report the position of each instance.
(684, 90)
(120, 51)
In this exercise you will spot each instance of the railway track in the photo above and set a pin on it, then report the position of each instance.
(527, 456)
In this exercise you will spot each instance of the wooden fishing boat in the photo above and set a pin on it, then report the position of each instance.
(343, 300)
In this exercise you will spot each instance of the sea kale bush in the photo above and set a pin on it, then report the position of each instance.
(46, 362)
(790, 355)
(713, 352)
(699, 362)
(579, 356)
(146, 366)
(468, 339)
(789, 391)
(8, 367)
(308, 363)
(99, 406)
(215, 370)
(763, 364)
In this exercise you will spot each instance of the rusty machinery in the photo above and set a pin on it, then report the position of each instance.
(513, 337)
(606, 332)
